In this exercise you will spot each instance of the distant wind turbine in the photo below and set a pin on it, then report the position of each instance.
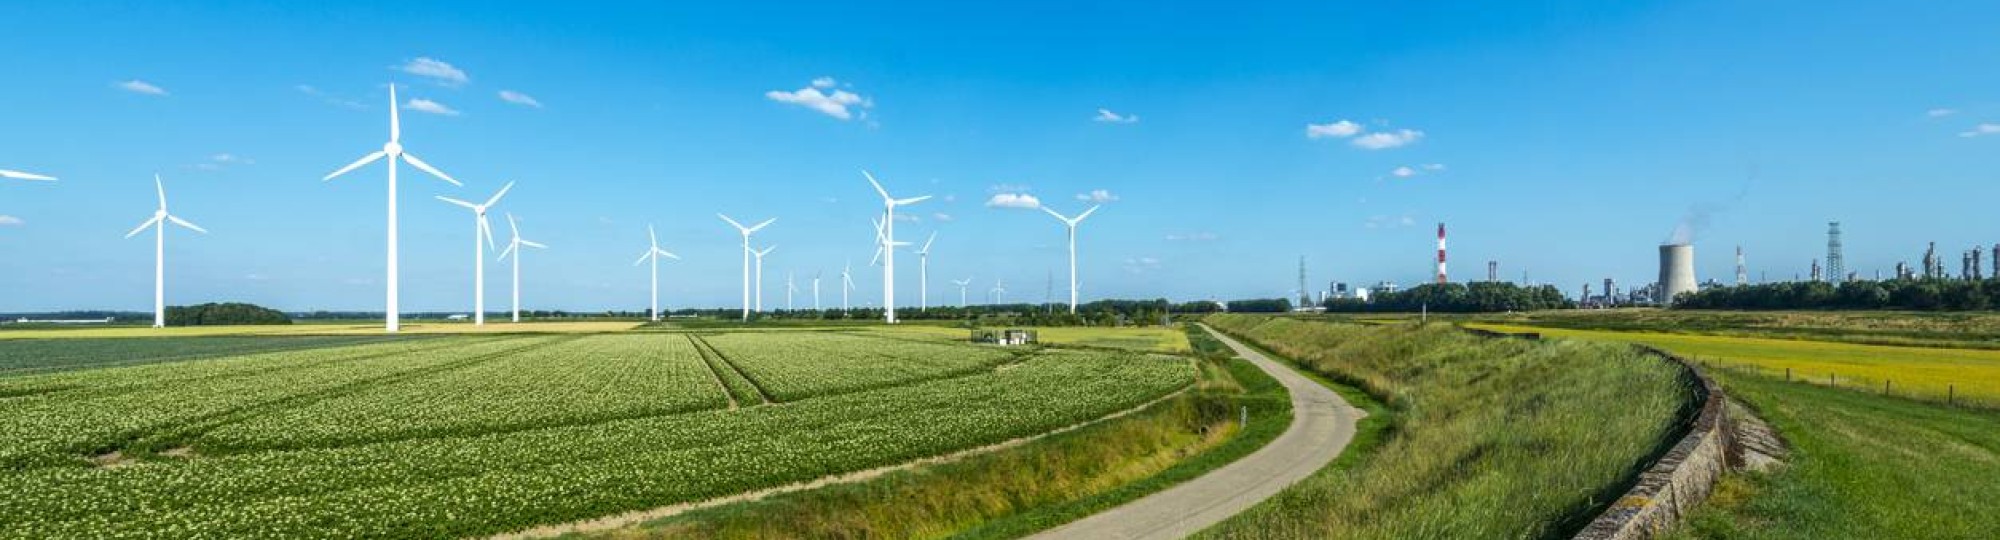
(790, 288)
(999, 288)
(747, 231)
(653, 252)
(18, 175)
(816, 274)
(924, 274)
(159, 224)
(1070, 224)
(961, 283)
(481, 230)
(514, 248)
(394, 151)
(760, 275)
(889, 205)
(846, 285)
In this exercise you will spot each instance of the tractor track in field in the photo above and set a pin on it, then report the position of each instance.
(714, 373)
(762, 393)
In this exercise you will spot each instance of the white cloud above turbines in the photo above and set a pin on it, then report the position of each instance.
(1982, 129)
(137, 86)
(521, 99)
(1099, 196)
(1407, 171)
(827, 96)
(1106, 116)
(1013, 200)
(438, 71)
(1360, 137)
(428, 106)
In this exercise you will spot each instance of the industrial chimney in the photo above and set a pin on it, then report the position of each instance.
(1676, 272)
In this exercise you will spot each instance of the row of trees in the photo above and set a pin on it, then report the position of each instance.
(230, 313)
(1910, 294)
(1476, 297)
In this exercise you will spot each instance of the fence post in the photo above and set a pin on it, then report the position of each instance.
(1788, 374)
(1244, 420)
(1831, 381)
(1950, 394)
(1885, 387)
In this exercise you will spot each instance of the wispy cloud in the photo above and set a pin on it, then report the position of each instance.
(309, 90)
(1099, 196)
(518, 98)
(428, 106)
(1193, 237)
(941, 216)
(1403, 172)
(438, 70)
(1141, 265)
(140, 87)
(840, 103)
(1407, 171)
(10, 221)
(1013, 200)
(1105, 115)
(1340, 130)
(1388, 139)
(220, 161)
(1386, 222)
(1940, 112)
(1981, 129)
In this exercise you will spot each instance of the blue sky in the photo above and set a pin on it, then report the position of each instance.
(1562, 138)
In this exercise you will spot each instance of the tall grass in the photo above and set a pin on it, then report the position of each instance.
(1490, 438)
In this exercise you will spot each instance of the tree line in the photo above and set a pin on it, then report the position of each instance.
(228, 313)
(1475, 297)
(1934, 294)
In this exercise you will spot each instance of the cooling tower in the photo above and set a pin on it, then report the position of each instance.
(1676, 271)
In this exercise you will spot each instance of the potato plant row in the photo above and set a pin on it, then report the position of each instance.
(799, 365)
(478, 485)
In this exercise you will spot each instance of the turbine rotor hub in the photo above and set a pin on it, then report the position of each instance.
(393, 148)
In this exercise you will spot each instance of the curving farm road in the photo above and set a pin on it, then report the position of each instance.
(1322, 425)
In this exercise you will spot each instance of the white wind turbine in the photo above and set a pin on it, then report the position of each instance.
(481, 230)
(159, 224)
(924, 274)
(514, 248)
(999, 288)
(790, 288)
(888, 235)
(846, 285)
(1071, 223)
(747, 231)
(760, 275)
(394, 151)
(653, 252)
(961, 283)
(816, 274)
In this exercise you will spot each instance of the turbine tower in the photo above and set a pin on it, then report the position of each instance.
(961, 283)
(1071, 224)
(999, 288)
(816, 275)
(159, 224)
(653, 253)
(394, 151)
(747, 231)
(790, 288)
(514, 248)
(924, 274)
(888, 234)
(760, 275)
(481, 230)
(846, 286)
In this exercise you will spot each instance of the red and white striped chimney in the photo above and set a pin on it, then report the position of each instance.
(1441, 277)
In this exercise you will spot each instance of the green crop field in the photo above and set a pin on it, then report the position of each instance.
(475, 435)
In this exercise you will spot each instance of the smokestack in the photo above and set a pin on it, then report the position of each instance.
(1676, 272)
(1441, 275)
(1742, 272)
(1492, 271)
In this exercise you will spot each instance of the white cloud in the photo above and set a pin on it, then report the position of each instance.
(518, 98)
(1388, 139)
(824, 82)
(1403, 172)
(1407, 171)
(1141, 265)
(840, 104)
(1193, 237)
(1386, 222)
(433, 107)
(941, 216)
(141, 87)
(445, 73)
(1341, 129)
(10, 221)
(232, 159)
(1105, 115)
(1013, 200)
(1940, 112)
(1099, 196)
(1981, 129)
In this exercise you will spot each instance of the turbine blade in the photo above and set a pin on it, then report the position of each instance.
(878, 185)
(642, 258)
(486, 231)
(458, 202)
(912, 200)
(877, 258)
(426, 167)
(510, 249)
(1086, 213)
(161, 187)
(395, 124)
(733, 223)
(184, 223)
(927, 244)
(18, 175)
(511, 227)
(668, 254)
(766, 223)
(533, 244)
(367, 159)
(142, 226)
(652, 239)
(1053, 213)
(497, 196)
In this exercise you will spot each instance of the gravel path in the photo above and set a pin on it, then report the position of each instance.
(1322, 425)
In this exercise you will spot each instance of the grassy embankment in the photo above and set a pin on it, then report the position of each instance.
(1032, 487)
(1489, 438)
(1863, 465)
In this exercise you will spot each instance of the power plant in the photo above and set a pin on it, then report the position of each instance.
(1676, 272)
(1441, 275)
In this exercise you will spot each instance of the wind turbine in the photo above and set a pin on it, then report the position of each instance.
(961, 283)
(159, 224)
(1071, 224)
(999, 288)
(394, 151)
(746, 257)
(790, 288)
(654, 253)
(514, 248)
(846, 285)
(760, 275)
(481, 230)
(816, 291)
(924, 274)
(888, 234)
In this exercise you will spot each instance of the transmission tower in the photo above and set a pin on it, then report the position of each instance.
(1305, 295)
(1836, 267)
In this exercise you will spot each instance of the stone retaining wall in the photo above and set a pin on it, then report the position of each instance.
(1681, 479)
